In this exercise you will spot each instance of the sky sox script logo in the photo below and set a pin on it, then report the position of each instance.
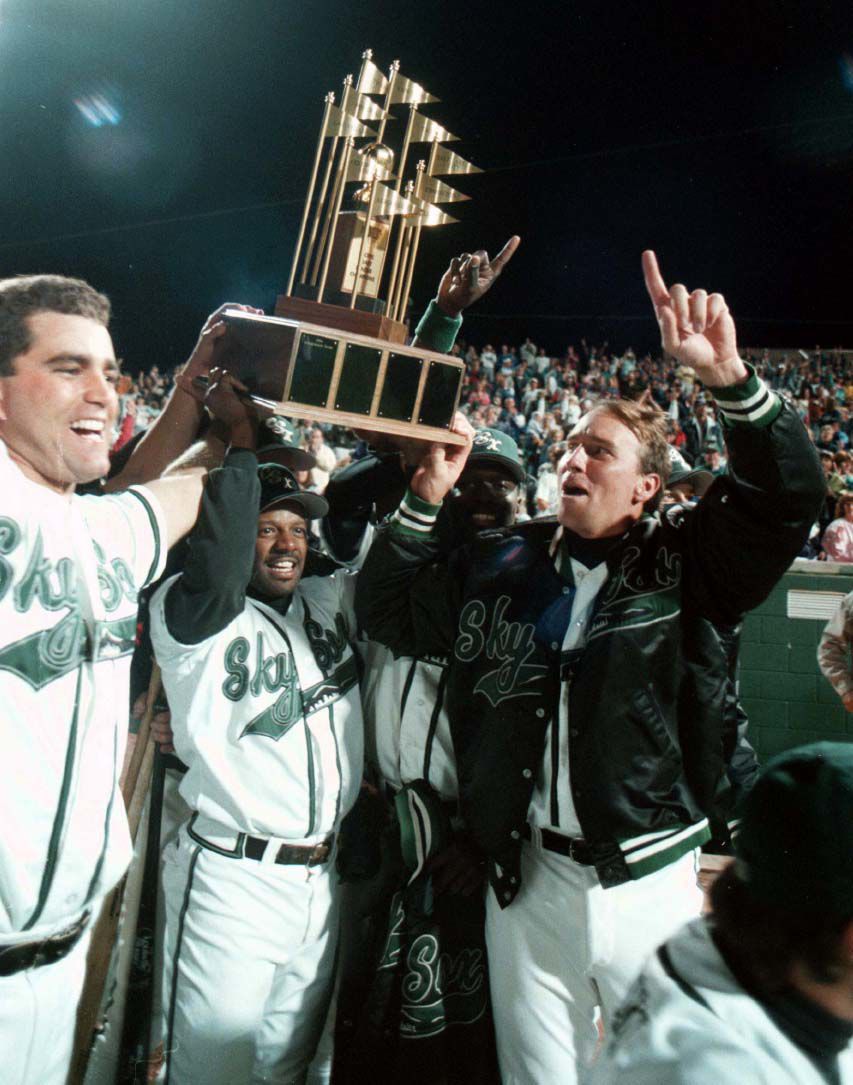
(510, 643)
(48, 654)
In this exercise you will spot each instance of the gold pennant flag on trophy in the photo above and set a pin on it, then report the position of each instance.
(362, 168)
(370, 79)
(408, 91)
(389, 202)
(425, 130)
(443, 161)
(345, 124)
(430, 215)
(438, 192)
(367, 110)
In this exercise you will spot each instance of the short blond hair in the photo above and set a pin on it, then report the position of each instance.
(648, 424)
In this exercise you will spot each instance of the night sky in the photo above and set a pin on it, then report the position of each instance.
(723, 139)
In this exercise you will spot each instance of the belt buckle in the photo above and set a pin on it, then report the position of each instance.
(572, 850)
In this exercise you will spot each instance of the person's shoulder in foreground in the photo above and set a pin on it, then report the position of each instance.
(761, 990)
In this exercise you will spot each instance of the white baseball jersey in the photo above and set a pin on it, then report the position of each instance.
(266, 713)
(406, 727)
(70, 570)
(407, 730)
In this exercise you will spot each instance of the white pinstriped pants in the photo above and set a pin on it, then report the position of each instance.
(565, 945)
(249, 966)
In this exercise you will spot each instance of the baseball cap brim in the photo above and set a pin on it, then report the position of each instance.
(699, 479)
(295, 459)
(314, 506)
(515, 469)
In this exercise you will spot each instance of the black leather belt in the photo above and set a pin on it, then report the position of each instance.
(576, 850)
(254, 847)
(35, 954)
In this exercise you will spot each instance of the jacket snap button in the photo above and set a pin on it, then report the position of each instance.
(515, 834)
(540, 712)
(526, 774)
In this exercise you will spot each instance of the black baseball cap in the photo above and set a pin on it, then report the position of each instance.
(279, 486)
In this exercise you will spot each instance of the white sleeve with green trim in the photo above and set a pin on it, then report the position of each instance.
(751, 402)
(415, 517)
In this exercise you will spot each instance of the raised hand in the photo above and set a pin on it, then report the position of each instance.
(226, 399)
(470, 276)
(198, 363)
(696, 328)
(440, 465)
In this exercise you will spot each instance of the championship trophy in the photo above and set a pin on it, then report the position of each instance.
(335, 351)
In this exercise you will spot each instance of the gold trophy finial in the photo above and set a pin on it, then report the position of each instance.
(348, 79)
(377, 155)
(367, 54)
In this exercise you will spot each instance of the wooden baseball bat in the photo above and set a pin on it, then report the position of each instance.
(133, 789)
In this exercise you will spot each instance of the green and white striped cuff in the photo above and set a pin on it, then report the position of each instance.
(751, 402)
(653, 851)
(414, 517)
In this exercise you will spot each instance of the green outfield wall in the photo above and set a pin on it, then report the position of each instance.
(788, 700)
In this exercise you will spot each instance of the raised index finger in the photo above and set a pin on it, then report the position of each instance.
(506, 254)
(654, 280)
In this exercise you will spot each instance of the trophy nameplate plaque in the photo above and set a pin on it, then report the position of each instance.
(305, 370)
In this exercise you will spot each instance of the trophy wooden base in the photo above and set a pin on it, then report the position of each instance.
(305, 370)
(357, 321)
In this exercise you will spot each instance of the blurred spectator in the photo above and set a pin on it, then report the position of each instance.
(827, 440)
(547, 494)
(325, 457)
(833, 652)
(838, 537)
(701, 430)
(714, 461)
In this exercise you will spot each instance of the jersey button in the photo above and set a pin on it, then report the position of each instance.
(507, 895)
(526, 773)
(566, 591)
(540, 712)
(574, 732)
(554, 646)
(515, 834)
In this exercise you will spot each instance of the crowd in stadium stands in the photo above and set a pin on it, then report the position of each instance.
(537, 398)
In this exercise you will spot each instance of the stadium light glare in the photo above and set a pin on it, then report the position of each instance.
(97, 109)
